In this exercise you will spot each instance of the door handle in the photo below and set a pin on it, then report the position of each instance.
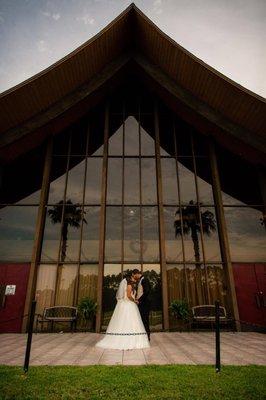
(260, 299)
(257, 298)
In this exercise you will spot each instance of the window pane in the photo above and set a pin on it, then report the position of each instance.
(210, 234)
(191, 230)
(50, 244)
(70, 232)
(17, 229)
(115, 145)
(204, 181)
(196, 281)
(187, 181)
(113, 234)
(176, 283)
(148, 178)
(131, 137)
(93, 181)
(57, 180)
(111, 280)
(217, 285)
(150, 234)
(131, 181)
(169, 181)
(45, 289)
(147, 143)
(173, 243)
(90, 241)
(131, 234)
(114, 181)
(66, 284)
(88, 281)
(153, 273)
(196, 285)
(246, 234)
(75, 182)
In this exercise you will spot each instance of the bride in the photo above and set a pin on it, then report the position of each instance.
(125, 330)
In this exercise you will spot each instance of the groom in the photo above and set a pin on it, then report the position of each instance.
(143, 298)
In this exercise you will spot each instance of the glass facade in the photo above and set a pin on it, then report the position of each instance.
(143, 193)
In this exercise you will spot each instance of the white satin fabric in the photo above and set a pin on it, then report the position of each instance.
(125, 330)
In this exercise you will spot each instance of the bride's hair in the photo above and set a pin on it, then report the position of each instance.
(136, 271)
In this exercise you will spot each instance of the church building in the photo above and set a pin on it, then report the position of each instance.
(130, 152)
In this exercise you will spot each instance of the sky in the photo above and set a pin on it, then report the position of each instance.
(229, 35)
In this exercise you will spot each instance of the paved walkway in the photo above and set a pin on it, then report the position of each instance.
(166, 348)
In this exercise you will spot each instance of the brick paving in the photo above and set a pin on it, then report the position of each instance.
(241, 348)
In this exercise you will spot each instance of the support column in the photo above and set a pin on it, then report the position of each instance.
(224, 243)
(161, 219)
(36, 252)
(262, 182)
(102, 221)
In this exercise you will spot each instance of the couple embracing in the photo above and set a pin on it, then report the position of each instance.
(129, 325)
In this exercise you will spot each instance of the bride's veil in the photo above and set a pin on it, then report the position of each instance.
(122, 290)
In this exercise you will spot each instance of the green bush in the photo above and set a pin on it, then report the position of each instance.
(87, 308)
(180, 309)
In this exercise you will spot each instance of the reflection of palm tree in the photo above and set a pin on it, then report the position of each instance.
(191, 225)
(72, 217)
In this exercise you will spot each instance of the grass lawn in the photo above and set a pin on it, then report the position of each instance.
(138, 383)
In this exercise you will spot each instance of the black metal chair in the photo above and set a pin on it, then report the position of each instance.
(58, 314)
(205, 315)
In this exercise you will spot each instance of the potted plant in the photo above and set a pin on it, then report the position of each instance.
(87, 310)
(180, 310)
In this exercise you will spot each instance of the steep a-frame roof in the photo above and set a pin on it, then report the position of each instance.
(50, 100)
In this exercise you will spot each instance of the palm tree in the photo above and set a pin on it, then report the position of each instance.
(191, 225)
(73, 216)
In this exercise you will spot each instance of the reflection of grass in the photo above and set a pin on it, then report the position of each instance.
(142, 382)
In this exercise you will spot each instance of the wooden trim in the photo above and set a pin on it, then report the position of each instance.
(123, 193)
(140, 188)
(180, 208)
(76, 288)
(59, 262)
(36, 252)
(199, 114)
(200, 220)
(222, 230)
(102, 220)
(262, 183)
(161, 219)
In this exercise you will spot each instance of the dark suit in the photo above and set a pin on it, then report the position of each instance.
(145, 304)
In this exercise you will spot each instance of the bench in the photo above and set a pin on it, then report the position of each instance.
(205, 314)
(58, 314)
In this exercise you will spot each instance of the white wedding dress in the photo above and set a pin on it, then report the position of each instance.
(125, 330)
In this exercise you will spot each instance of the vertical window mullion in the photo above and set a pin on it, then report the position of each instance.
(180, 208)
(102, 220)
(62, 221)
(82, 213)
(161, 217)
(200, 219)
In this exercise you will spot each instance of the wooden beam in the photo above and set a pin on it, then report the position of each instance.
(36, 252)
(222, 230)
(199, 114)
(48, 119)
(161, 219)
(102, 221)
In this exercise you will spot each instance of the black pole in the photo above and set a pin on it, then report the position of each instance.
(30, 330)
(217, 337)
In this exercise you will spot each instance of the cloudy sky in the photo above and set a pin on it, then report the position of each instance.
(230, 35)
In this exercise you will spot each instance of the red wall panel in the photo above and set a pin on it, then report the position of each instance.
(250, 289)
(13, 274)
